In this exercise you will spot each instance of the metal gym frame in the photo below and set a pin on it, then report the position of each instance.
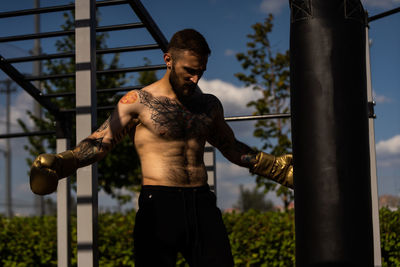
(86, 109)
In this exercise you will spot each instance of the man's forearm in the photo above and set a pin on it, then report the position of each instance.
(89, 151)
(240, 154)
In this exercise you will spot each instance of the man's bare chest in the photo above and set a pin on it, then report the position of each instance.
(169, 119)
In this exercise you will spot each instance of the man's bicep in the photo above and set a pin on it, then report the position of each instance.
(222, 136)
(123, 119)
(120, 122)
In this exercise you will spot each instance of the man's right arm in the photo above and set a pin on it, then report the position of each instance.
(48, 168)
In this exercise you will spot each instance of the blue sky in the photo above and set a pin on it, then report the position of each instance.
(225, 24)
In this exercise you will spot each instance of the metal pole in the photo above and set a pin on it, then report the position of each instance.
(8, 154)
(374, 180)
(87, 202)
(333, 214)
(63, 212)
(37, 109)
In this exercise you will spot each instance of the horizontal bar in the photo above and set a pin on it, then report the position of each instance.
(384, 14)
(100, 72)
(13, 135)
(236, 118)
(40, 57)
(71, 54)
(36, 36)
(258, 117)
(127, 49)
(120, 27)
(99, 91)
(133, 69)
(50, 9)
(69, 32)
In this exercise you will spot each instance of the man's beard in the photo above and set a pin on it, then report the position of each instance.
(181, 90)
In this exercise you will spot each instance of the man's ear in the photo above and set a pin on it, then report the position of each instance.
(168, 60)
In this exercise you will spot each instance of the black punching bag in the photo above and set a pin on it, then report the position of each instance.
(333, 216)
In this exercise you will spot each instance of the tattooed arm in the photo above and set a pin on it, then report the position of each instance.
(121, 122)
(223, 138)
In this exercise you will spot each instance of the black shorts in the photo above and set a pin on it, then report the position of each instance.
(179, 219)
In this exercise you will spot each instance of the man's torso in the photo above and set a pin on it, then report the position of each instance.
(170, 139)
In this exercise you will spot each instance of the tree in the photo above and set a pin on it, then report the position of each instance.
(121, 167)
(268, 71)
(252, 199)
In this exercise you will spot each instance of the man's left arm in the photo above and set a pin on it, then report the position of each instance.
(279, 169)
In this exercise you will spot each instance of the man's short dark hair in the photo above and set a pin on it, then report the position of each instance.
(189, 39)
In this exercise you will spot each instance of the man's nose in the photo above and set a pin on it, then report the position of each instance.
(195, 79)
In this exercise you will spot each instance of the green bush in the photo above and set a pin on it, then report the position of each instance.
(261, 239)
(257, 239)
(390, 237)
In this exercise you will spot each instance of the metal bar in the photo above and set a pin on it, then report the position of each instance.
(128, 49)
(63, 213)
(384, 14)
(69, 32)
(99, 91)
(372, 153)
(35, 36)
(86, 115)
(120, 89)
(100, 72)
(34, 11)
(120, 27)
(258, 117)
(133, 69)
(50, 9)
(27, 86)
(49, 77)
(40, 57)
(71, 54)
(13, 135)
(148, 21)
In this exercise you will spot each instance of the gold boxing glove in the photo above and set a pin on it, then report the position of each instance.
(278, 169)
(47, 169)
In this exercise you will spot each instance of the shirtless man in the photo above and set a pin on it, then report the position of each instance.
(170, 121)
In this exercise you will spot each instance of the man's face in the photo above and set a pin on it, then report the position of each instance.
(186, 71)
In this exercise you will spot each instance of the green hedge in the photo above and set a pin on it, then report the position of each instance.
(257, 239)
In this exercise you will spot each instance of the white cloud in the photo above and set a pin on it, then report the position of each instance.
(273, 6)
(233, 98)
(388, 152)
(389, 147)
(23, 102)
(380, 3)
(229, 52)
(381, 98)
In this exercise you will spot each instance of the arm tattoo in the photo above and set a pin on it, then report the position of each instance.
(87, 151)
(129, 128)
(105, 125)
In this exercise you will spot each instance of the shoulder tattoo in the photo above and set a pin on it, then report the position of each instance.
(129, 98)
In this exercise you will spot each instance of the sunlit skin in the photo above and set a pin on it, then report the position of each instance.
(169, 121)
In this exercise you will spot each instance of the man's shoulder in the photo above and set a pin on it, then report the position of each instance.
(210, 103)
(211, 100)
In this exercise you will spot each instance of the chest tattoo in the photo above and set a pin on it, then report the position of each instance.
(173, 120)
